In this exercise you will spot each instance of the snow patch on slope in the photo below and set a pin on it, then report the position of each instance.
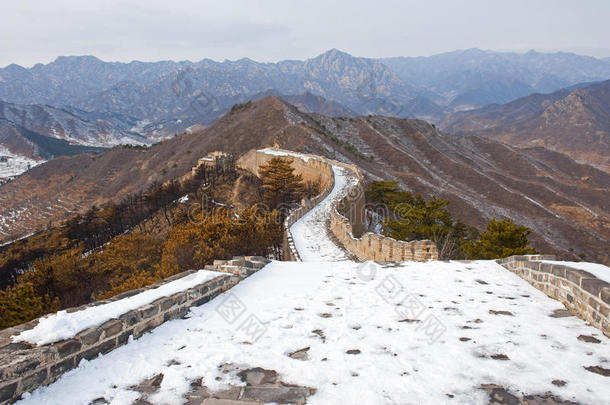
(12, 165)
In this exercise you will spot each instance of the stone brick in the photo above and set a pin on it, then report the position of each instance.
(131, 318)
(147, 326)
(33, 380)
(112, 327)
(149, 311)
(17, 365)
(543, 267)
(89, 336)
(179, 298)
(280, 394)
(8, 391)
(68, 347)
(559, 271)
(201, 300)
(128, 294)
(102, 348)
(593, 286)
(123, 338)
(60, 368)
(576, 275)
(175, 313)
(164, 303)
(605, 295)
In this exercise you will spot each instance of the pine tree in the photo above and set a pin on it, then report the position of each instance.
(501, 239)
(280, 184)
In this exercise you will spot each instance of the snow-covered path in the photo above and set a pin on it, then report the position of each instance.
(310, 233)
(489, 327)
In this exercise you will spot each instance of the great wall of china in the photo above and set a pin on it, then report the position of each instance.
(26, 367)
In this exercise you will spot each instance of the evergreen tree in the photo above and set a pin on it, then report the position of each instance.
(501, 239)
(20, 304)
(280, 184)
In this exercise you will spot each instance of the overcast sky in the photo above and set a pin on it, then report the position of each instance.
(123, 30)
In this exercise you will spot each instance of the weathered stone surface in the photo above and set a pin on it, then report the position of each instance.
(164, 303)
(149, 311)
(8, 391)
(581, 292)
(231, 393)
(33, 381)
(217, 401)
(200, 301)
(281, 395)
(559, 271)
(179, 298)
(257, 376)
(65, 365)
(605, 295)
(131, 318)
(123, 338)
(494, 312)
(599, 370)
(68, 347)
(300, 354)
(18, 365)
(576, 275)
(150, 385)
(499, 395)
(89, 336)
(593, 286)
(589, 339)
(144, 327)
(112, 327)
(93, 352)
(128, 294)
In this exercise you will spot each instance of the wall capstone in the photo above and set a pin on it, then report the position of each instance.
(581, 292)
(25, 367)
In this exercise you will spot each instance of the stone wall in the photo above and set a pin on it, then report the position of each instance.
(581, 292)
(347, 217)
(371, 246)
(311, 168)
(25, 367)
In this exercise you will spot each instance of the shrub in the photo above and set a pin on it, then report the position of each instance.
(20, 304)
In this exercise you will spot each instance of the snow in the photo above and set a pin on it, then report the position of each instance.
(310, 233)
(598, 270)
(15, 164)
(63, 325)
(398, 360)
(276, 152)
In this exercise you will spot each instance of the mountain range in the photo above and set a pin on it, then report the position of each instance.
(564, 203)
(161, 99)
(572, 121)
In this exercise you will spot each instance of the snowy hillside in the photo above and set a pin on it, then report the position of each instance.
(12, 165)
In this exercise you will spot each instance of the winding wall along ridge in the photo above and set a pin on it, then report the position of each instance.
(368, 246)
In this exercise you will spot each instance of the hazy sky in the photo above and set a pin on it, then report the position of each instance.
(123, 30)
